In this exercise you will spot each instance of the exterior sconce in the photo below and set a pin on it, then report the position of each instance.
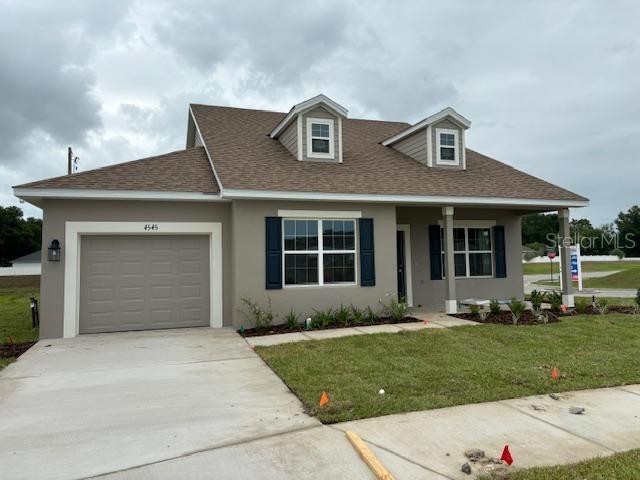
(54, 251)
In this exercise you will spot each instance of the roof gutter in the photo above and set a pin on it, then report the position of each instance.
(404, 199)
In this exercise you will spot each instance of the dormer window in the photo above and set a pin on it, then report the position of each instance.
(320, 138)
(447, 147)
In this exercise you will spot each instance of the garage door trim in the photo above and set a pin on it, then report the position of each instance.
(71, 254)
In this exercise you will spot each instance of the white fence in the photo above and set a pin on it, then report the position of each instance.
(18, 270)
(586, 258)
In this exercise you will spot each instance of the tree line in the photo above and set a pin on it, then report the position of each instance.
(18, 236)
(621, 237)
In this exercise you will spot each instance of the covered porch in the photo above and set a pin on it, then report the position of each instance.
(481, 245)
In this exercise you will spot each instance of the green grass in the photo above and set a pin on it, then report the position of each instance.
(543, 268)
(15, 314)
(622, 466)
(629, 278)
(444, 367)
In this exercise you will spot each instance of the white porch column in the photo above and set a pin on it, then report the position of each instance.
(450, 301)
(564, 242)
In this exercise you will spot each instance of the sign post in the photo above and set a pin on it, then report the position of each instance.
(551, 256)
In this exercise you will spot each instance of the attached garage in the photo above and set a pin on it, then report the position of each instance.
(138, 282)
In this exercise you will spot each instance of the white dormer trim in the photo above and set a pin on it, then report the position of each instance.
(429, 147)
(299, 128)
(455, 146)
(442, 114)
(323, 121)
(308, 104)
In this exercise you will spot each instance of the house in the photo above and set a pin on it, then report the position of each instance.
(306, 209)
(25, 265)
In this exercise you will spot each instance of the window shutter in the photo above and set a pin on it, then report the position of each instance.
(273, 253)
(435, 252)
(367, 255)
(501, 257)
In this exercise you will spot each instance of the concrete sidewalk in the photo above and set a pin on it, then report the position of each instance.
(433, 320)
(545, 435)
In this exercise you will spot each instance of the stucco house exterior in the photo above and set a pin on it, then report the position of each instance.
(306, 209)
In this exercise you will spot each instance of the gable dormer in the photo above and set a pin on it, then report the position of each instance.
(312, 130)
(436, 141)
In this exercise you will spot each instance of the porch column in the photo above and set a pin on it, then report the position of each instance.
(450, 301)
(565, 256)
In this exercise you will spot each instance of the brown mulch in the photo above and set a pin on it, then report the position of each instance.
(20, 281)
(283, 328)
(11, 350)
(505, 318)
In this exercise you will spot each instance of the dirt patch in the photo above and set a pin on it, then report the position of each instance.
(20, 281)
(11, 350)
(505, 318)
(284, 328)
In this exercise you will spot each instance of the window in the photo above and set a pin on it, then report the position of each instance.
(472, 252)
(319, 252)
(447, 146)
(319, 138)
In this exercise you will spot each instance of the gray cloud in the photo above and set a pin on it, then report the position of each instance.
(549, 89)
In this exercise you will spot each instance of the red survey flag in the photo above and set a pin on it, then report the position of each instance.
(506, 455)
(554, 373)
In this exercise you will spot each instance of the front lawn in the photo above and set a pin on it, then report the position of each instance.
(544, 268)
(436, 368)
(628, 278)
(15, 317)
(622, 466)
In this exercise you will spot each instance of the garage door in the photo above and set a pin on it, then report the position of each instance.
(143, 282)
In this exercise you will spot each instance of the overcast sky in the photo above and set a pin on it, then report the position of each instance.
(551, 88)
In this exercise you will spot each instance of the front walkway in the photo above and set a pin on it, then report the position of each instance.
(427, 320)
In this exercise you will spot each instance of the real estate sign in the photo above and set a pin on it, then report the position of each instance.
(576, 268)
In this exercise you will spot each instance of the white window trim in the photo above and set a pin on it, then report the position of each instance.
(323, 214)
(456, 149)
(72, 254)
(406, 228)
(320, 252)
(466, 226)
(310, 137)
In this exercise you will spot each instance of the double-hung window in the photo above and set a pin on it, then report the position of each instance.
(320, 138)
(472, 252)
(319, 252)
(447, 146)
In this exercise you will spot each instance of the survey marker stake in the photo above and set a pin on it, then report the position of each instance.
(369, 457)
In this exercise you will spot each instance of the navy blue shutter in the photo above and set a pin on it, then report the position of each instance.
(501, 256)
(435, 252)
(273, 252)
(367, 255)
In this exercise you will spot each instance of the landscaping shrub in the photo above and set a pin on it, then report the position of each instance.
(357, 315)
(394, 309)
(618, 253)
(342, 316)
(292, 319)
(601, 305)
(638, 297)
(494, 307)
(555, 299)
(537, 298)
(517, 308)
(475, 310)
(260, 318)
(322, 318)
(370, 316)
(581, 304)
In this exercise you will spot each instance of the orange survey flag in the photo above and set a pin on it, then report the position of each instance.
(324, 399)
(506, 455)
(554, 373)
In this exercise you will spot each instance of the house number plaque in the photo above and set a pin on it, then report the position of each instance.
(150, 227)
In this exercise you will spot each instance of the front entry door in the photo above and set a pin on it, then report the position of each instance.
(402, 277)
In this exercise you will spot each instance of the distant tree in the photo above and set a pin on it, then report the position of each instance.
(535, 228)
(18, 236)
(628, 224)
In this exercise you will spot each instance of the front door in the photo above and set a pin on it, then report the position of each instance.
(402, 278)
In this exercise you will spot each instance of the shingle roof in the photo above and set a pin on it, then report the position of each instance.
(245, 157)
(181, 171)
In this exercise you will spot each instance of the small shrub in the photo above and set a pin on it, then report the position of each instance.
(581, 304)
(342, 316)
(494, 307)
(322, 318)
(260, 317)
(555, 299)
(638, 297)
(517, 308)
(357, 315)
(541, 316)
(292, 319)
(483, 314)
(394, 309)
(475, 310)
(537, 298)
(618, 252)
(370, 316)
(601, 305)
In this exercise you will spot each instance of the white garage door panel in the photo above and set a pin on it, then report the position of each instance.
(131, 282)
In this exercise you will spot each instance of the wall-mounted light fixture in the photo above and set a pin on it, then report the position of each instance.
(54, 251)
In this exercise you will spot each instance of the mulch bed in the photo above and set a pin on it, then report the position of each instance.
(283, 328)
(11, 350)
(612, 309)
(505, 318)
